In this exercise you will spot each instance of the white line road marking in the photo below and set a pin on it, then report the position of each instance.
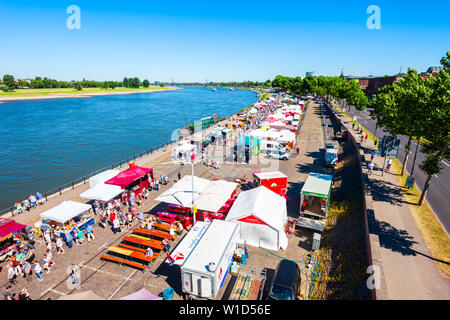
(120, 287)
(58, 292)
(445, 162)
(103, 246)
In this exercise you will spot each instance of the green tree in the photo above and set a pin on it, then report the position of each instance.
(9, 81)
(4, 87)
(145, 83)
(77, 85)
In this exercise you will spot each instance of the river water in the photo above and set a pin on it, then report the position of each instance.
(47, 143)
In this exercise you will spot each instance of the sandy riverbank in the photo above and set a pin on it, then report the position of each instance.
(58, 95)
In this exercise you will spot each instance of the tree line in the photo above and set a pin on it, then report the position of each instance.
(243, 84)
(10, 84)
(415, 107)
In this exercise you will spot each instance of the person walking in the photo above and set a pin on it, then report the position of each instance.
(40, 198)
(59, 245)
(12, 274)
(24, 295)
(367, 136)
(27, 272)
(389, 163)
(90, 233)
(372, 155)
(73, 276)
(69, 239)
(7, 294)
(38, 270)
(116, 226)
(179, 175)
(370, 166)
(18, 207)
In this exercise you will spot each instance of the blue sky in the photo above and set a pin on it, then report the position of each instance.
(219, 40)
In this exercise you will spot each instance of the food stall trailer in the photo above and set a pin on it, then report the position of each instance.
(205, 269)
(12, 238)
(272, 180)
(67, 215)
(314, 201)
(133, 179)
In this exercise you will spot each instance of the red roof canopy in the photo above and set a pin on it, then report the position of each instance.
(8, 226)
(129, 176)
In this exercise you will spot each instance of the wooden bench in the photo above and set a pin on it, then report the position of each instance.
(145, 243)
(155, 233)
(167, 217)
(127, 246)
(113, 259)
(164, 226)
(135, 265)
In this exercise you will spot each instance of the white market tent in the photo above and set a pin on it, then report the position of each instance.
(209, 195)
(102, 192)
(286, 136)
(102, 177)
(65, 211)
(262, 216)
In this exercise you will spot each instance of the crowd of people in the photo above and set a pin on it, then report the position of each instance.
(29, 203)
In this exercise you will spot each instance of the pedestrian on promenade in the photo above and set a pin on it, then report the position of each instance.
(38, 270)
(26, 204)
(102, 222)
(298, 150)
(80, 238)
(157, 185)
(362, 138)
(90, 233)
(12, 274)
(116, 226)
(367, 136)
(75, 235)
(7, 294)
(370, 166)
(18, 207)
(73, 276)
(59, 245)
(69, 239)
(389, 163)
(375, 142)
(372, 155)
(30, 255)
(32, 200)
(24, 295)
(95, 207)
(40, 198)
(179, 175)
(27, 272)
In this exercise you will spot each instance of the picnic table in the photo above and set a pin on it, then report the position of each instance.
(144, 243)
(165, 216)
(154, 233)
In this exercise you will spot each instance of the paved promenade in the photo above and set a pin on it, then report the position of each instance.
(398, 248)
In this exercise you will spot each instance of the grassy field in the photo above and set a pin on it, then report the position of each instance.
(432, 231)
(72, 91)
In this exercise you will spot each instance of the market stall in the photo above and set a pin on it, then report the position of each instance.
(314, 201)
(133, 179)
(262, 216)
(102, 192)
(67, 215)
(12, 238)
(184, 151)
(102, 177)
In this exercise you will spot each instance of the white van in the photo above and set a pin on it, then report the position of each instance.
(272, 146)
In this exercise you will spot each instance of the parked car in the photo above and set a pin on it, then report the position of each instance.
(278, 155)
(286, 282)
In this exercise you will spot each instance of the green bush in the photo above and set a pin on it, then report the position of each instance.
(4, 87)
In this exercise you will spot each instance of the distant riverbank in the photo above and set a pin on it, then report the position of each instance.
(26, 94)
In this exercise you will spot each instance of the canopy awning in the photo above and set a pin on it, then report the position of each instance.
(317, 184)
(65, 211)
(102, 177)
(103, 192)
(8, 226)
(129, 176)
(209, 195)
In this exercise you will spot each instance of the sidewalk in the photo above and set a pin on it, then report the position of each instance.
(398, 248)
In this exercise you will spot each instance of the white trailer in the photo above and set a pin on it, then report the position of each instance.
(205, 269)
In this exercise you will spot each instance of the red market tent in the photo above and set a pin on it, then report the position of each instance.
(129, 176)
(8, 226)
